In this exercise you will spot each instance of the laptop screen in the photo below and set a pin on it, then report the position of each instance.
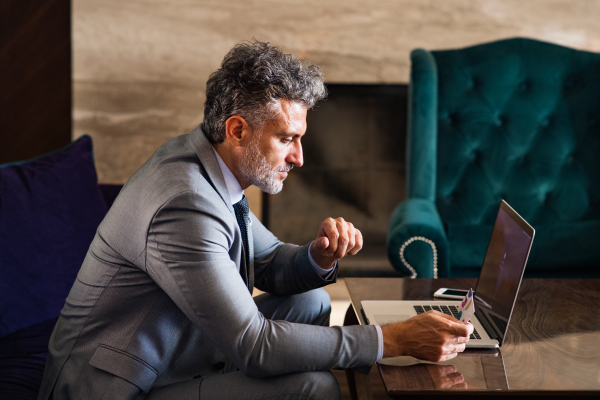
(503, 268)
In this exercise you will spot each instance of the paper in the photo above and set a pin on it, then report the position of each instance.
(466, 308)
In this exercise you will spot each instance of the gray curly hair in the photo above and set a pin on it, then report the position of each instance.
(252, 78)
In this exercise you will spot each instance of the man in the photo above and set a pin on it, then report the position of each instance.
(162, 306)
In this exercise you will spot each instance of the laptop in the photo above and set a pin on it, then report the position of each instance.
(496, 291)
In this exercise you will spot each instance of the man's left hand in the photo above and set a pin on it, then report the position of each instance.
(336, 238)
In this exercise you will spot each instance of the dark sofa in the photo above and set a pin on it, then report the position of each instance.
(50, 208)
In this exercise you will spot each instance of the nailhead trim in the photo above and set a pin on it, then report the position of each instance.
(435, 257)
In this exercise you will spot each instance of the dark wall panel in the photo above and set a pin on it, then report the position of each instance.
(35, 77)
(353, 167)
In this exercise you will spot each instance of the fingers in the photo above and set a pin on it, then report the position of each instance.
(461, 339)
(322, 243)
(438, 337)
(446, 352)
(444, 357)
(427, 336)
(451, 349)
(461, 329)
(328, 234)
(358, 242)
(457, 328)
(342, 236)
(457, 348)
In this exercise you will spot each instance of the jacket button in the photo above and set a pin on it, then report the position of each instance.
(220, 365)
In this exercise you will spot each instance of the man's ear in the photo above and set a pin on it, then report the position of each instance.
(237, 131)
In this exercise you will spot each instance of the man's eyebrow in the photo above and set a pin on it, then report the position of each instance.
(283, 134)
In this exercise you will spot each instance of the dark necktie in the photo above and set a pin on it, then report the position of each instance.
(242, 214)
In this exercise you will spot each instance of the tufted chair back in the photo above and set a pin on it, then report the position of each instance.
(515, 119)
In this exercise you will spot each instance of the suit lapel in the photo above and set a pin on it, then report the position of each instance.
(206, 154)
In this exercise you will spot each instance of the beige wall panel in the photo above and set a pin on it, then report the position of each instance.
(140, 66)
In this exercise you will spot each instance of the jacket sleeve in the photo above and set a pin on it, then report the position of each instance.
(282, 268)
(187, 255)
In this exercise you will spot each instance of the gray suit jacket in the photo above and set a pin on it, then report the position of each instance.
(159, 298)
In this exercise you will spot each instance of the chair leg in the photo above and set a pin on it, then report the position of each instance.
(358, 384)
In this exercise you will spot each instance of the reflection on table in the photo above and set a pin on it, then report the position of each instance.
(471, 370)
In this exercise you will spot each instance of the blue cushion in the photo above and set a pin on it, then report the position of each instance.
(22, 360)
(50, 208)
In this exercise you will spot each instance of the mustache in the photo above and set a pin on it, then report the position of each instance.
(287, 167)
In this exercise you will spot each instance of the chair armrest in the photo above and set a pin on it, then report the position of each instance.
(417, 245)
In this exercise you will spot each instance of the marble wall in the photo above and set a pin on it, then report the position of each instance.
(140, 66)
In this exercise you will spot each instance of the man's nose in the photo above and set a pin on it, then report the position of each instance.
(295, 156)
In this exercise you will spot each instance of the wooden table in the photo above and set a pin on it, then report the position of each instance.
(552, 347)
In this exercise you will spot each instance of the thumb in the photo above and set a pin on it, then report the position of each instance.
(322, 243)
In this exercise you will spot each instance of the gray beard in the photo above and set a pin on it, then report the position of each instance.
(256, 169)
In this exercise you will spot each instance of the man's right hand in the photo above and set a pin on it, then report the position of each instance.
(431, 336)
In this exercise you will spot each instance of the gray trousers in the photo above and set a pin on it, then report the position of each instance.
(313, 308)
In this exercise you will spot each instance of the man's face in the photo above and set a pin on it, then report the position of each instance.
(275, 149)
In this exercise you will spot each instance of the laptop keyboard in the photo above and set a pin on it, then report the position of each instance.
(448, 310)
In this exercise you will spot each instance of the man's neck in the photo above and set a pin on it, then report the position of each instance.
(233, 186)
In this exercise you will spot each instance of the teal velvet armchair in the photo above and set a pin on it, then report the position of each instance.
(516, 119)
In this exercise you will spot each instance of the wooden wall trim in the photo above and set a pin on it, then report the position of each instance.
(35, 77)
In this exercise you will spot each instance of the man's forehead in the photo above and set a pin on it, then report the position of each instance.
(291, 116)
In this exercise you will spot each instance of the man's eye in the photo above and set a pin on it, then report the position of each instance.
(286, 141)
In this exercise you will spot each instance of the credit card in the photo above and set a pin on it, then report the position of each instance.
(466, 308)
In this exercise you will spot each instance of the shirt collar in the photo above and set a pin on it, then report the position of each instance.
(233, 186)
